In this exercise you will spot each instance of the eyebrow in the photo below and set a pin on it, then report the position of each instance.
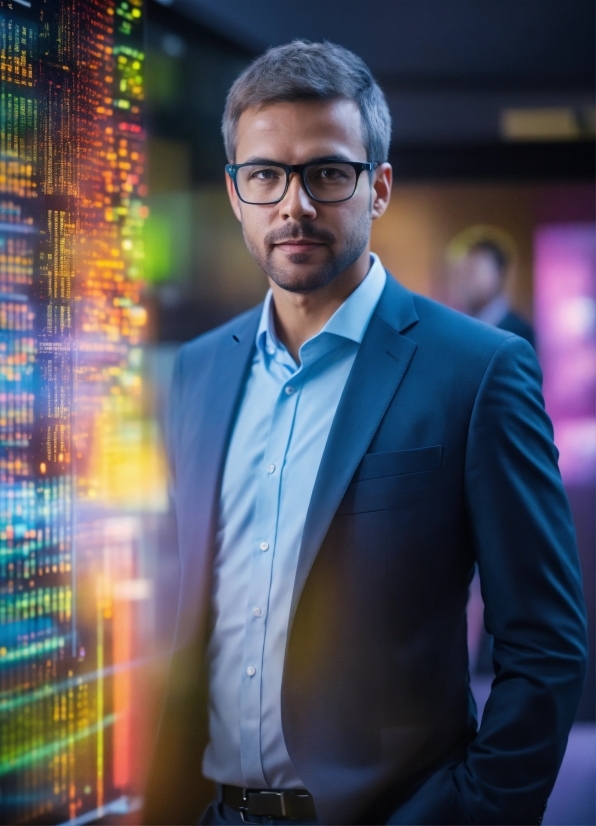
(321, 159)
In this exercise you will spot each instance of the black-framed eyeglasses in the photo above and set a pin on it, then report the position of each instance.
(328, 182)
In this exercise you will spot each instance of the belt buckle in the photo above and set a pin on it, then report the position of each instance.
(244, 810)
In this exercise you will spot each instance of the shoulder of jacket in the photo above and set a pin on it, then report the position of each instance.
(456, 333)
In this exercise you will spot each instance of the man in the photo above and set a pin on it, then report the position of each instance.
(481, 281)
(341, 457)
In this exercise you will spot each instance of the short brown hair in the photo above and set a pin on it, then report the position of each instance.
(311, 71)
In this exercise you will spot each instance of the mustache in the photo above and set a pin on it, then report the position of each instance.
(299, 231)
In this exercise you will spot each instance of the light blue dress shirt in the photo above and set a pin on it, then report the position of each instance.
(271, 465)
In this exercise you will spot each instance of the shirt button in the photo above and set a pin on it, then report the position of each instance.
(289, 390)
(264, 546)
(251, 671)
(270, 468)
(271, 350)
(257, 612)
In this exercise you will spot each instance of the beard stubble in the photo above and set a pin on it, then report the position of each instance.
(288, 279)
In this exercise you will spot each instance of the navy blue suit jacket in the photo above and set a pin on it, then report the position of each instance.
(440, 456)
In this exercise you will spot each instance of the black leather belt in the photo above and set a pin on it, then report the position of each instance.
(293, 804)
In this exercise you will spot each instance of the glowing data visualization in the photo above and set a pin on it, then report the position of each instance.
(71, 400)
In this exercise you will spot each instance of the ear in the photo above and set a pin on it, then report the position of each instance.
(381, 194)
(233, 196)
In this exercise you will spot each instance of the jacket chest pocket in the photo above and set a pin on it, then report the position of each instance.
(388, 481)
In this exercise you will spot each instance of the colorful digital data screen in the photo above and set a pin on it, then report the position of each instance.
(73, 438)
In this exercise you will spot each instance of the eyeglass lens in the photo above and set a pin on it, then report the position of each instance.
(264, 184)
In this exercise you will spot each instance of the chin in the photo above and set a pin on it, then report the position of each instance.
(298, 273)
(300, 282)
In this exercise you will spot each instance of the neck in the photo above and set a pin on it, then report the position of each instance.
(300, 316)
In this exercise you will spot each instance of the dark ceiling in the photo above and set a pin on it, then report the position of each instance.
(451, 70)
(428, 44)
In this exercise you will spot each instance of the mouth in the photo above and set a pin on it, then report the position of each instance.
(293, 245)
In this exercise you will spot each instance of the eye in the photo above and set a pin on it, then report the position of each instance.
(264, 174)
(331, 173)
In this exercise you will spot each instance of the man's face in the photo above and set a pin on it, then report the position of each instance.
(481, 280)
(301, 244)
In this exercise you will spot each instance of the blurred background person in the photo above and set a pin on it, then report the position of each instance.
(480, 261)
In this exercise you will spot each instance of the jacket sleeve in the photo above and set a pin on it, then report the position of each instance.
(523, 536)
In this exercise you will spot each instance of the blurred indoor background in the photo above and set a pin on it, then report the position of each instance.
(493, 140)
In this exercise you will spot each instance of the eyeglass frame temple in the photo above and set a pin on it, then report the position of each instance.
(358, 166)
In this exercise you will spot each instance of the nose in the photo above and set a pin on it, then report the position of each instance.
(296, 203)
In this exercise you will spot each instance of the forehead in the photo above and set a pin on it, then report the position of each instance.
(297, 131)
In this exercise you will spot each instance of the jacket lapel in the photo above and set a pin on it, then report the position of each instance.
(216, 404)
(378, 369)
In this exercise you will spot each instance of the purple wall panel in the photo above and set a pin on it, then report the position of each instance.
(565, 316)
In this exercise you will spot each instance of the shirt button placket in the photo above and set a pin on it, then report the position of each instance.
(258, 607)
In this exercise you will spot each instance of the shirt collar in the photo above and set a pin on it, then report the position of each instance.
(495, 311)
(349, 321)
